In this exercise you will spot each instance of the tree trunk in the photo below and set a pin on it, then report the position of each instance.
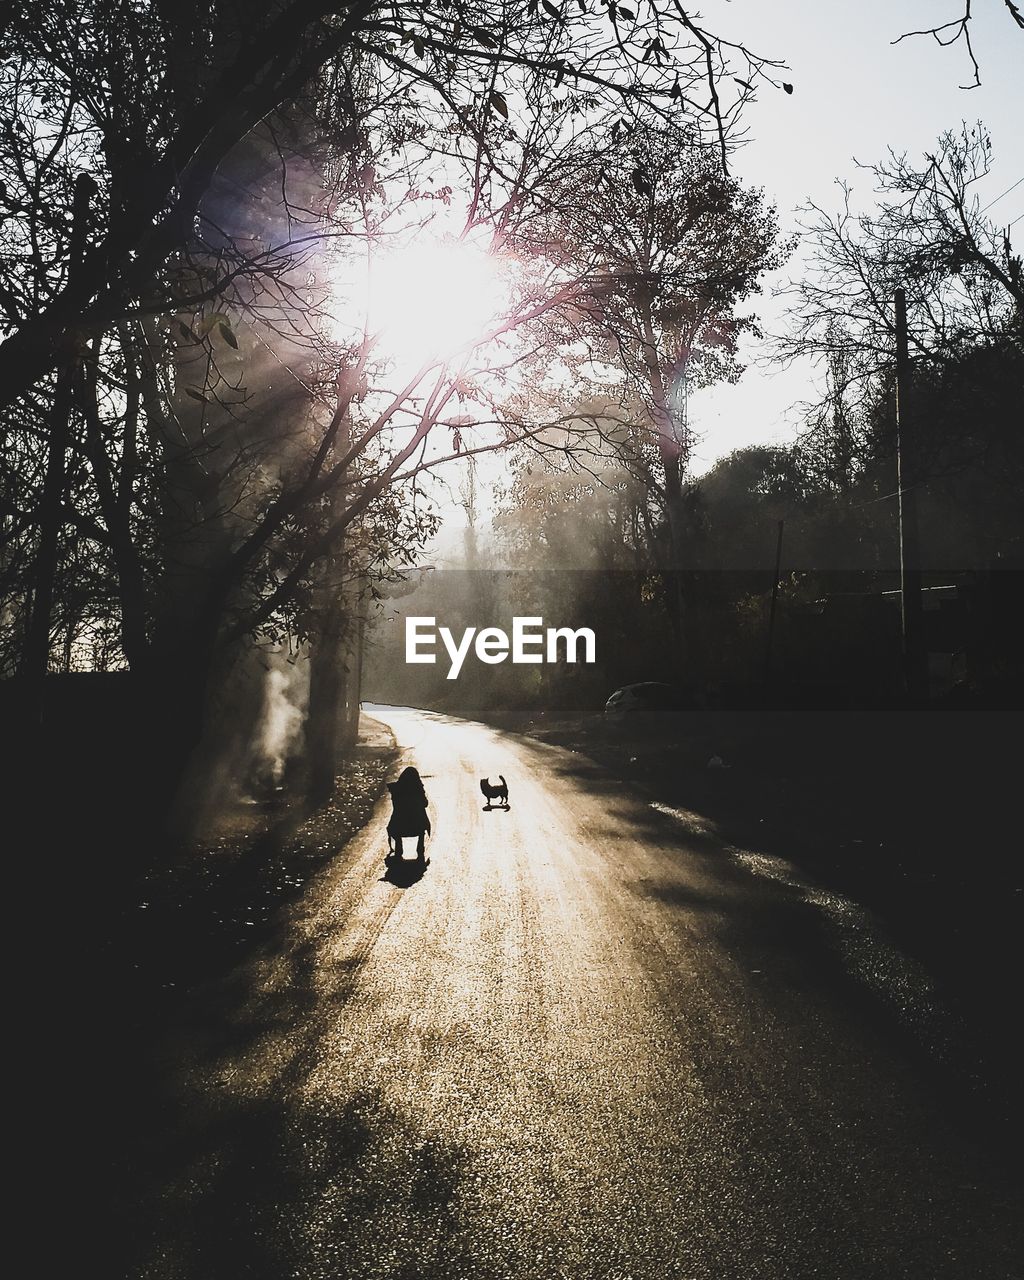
(328, 687)
(353, 684)
(116, 508)
(681, 586)
(36, 654)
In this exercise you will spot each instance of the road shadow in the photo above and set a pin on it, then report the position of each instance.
(243, 1138)
(403, 873)
(269, 1187)
(805, 924)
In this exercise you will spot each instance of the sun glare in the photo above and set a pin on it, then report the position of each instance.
(429, 300)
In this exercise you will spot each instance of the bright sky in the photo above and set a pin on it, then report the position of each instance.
(855, 95)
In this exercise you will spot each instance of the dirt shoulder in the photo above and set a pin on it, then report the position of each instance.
(199, 914)
(124, 937)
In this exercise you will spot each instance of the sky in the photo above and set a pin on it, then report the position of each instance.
(855, 95)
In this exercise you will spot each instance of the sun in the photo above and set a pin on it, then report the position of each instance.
(433, 298)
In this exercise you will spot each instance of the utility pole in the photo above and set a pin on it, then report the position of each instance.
(775, 601)
(915, 657)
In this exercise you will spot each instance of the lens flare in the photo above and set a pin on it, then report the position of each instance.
(430, 300)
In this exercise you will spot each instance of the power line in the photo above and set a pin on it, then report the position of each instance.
(1005, 193)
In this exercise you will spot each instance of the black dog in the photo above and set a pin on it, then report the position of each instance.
(495, 793)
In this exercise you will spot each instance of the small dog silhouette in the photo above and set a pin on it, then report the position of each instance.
(495, 793)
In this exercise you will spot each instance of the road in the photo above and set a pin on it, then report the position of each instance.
(590, 1041)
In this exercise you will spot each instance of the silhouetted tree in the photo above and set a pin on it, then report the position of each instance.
(666, 246)
(928, 235)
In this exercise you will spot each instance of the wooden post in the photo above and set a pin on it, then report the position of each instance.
(915, 657)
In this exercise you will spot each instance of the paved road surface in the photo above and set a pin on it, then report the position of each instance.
(589, 1042)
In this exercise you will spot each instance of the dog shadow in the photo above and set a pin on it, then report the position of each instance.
(403, 872)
